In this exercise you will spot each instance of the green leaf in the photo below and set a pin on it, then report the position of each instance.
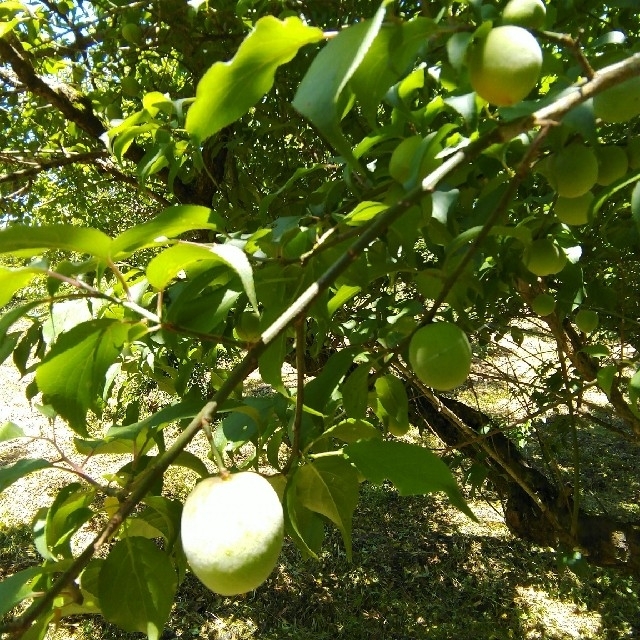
(169, 224)
(13, 472)
(321, 96)
(165, 266)
(634, 393)
(229, 89)
(12, 280)
(392, 397)
(352, 430)
(10, 430)
(318, 392)
(412, 469)
(270, 364)
(364, 212)
(164, 515)
(635, 205)
(388, 58)
(137, 584)
(69, 511)
(189, 460)
(304, 527)
(330, 486)
(72, 375)
(16, 588)
(606, 376)
(30, 241)
(355, 392)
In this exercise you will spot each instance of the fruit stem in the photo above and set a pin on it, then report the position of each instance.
(215, 452)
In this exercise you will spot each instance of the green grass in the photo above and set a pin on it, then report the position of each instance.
(415, 574)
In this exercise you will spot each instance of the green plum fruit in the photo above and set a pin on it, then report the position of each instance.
(440, 355)
(619, 103)
(613, 164)
(543, 304)
(529, 14)
(573, 211)
(573, 171)
(586, 320)
(543, 257)
(505, 65)
(232, 531)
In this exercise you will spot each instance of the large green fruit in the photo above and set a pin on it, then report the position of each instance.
(525, 13)
(440, 355)
(543, 304)
(573, 171)
(232, 532)
(613, 163)
(401, 163)
(543, 257)
(586, 320)
(248, 327)
(620, 103)
(505, 65)
(573, 211)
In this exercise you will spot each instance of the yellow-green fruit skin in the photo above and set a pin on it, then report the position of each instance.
(620, 103)
(131, 33)
(529, 14)
(613, 163)
(573, 211)
(573, 171)
(440, 355)
(586, 320)
(543, 304)
(505, 65)
(232, 531)
(544, 258)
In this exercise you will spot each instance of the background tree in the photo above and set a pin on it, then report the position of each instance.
(344, 176)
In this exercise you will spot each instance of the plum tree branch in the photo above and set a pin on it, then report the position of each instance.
(52, 163)
(378, 226)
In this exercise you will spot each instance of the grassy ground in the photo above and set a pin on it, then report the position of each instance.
(420, 570)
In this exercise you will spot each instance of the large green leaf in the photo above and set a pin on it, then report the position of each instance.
(355, 392)
(390, 55)
(12, 280)
(304, 526)
(165, 266)
(321, 96)
(393, 404)
(69, 511)
(412, 469)
(16, 588)
(29, 241)
(229, 89)
(72, 375)
(137, 584)
(13, 472)
(330, 486)
(169, 224)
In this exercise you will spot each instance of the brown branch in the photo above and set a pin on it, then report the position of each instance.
(53, 163)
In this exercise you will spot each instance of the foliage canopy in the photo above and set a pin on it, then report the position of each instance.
(171, 169)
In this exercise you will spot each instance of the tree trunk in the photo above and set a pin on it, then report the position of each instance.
(535, 508)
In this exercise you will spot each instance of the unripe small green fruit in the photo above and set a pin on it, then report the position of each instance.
(573, 171)
(131, 33)
(543, 257)
(529, 14)
(573, 211)
(505, 65)
(543, 304)
(232, 531)
(613, 163)
(586, 320)
(248, 327)
(440, 355)
(620, 103)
